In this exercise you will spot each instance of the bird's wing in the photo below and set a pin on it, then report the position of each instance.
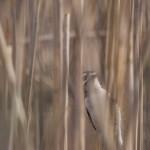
(90, 112)
(96, 104)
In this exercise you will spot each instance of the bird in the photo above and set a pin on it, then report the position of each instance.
(104, 113)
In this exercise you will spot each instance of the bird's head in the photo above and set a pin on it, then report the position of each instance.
(89, 75)
(89, 78)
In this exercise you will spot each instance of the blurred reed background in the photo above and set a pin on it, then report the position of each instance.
(45, 45)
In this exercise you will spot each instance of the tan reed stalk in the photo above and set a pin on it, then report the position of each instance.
(130, 76)
(6, 96)
(79, 105)
(142, 21)
(37, 125)
(79, 128)
(107, 42)
(58, 62)
(141, 146)
(137, 66)
(66, 77)
(17, 105)
(62, 103)
(34, 39)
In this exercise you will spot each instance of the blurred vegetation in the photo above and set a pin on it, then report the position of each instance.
(45, 45)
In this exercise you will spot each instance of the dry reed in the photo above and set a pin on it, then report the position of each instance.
(50, 102)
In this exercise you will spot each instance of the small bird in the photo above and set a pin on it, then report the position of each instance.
(102, 110)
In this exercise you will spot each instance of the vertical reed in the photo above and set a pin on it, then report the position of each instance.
(66, 77)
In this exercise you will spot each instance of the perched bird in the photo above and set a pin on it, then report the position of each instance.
(103, 112)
